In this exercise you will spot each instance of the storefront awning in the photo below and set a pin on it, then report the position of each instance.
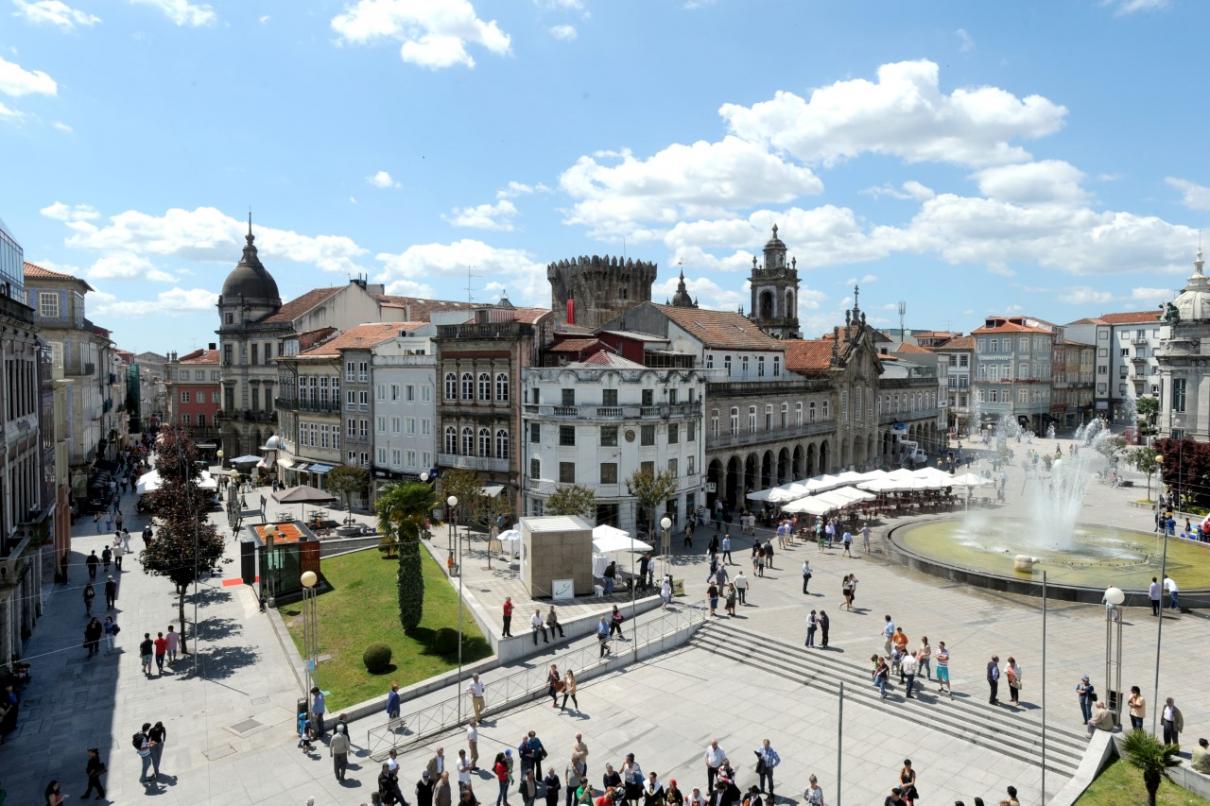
(319, 469)
(491, 490)
(286, 462)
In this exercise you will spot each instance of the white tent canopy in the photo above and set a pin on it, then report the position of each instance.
(150, 481)
(829, 501)
(607, 538)
(794, 490)
(970, 480)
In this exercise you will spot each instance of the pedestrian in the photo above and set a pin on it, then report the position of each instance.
(463, 766)
(536, 624)
(472, 743)
(712, 595)
(766, 760)
(993, 680)
(1173, 722)
(478, 693)
(812, 625)
(632, 780)
(824, 624)
(653, 791)
(111, 631)
(741, 587)
(552, 785)
(118, 552)
(106, 558)
(579, 753)
(846, 540)
(880, 674)
(727, 549)
(424, 789)
(907, 782)
(1174, 592)
(500, 770)
(603, 631)
(768, 556)
(907, 673)
(806, 575)
(89, 594)
(865, 538)
(118, 518)
(529, 788)
(673, 795)
(94, 769)
(507, 632)
(161, 652)
(388, 785)
(1138, 708)
(730, 600)
(888, 632)
(142, 745)
(158, 734)
(714, 758)
(1154, 596)
(554, 684)
(1085, 693)
(92, 561)
(54, 797)
(1200, 758)
(575, 778)
(338, 749)
(111, 593)
(93, 632)
(852, 590)
(814, 794)
(900, 642)
(666, 591)
(173, 639)
(393, 702)
(552, 623)
(96, 522)
(943, 669)
(318, 706)
(569, 690)
(615, 623)
(1013, 673)
(146, 651)
(609, 577)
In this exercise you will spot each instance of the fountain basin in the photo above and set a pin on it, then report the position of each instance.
(1002, 554)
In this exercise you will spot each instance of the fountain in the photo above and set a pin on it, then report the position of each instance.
(1040, 530)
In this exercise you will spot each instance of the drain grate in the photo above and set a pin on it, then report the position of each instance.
(247, 726)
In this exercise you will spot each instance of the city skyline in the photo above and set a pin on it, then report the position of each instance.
(929, 157)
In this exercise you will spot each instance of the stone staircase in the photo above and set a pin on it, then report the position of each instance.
(1017, 735)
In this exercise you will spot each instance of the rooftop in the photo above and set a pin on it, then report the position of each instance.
(908, 347)
(1130, 317)
(200, 357)
(361, 337)
(36, 272)
(807, 356)
(723, 329)
(959, 343)
(296, 307)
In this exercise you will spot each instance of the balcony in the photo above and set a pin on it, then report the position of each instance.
(290, 404)
(592, 412)
(728, 440)
(486, 464)
(905, 416)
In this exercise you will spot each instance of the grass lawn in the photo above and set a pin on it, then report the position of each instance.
(1121, 783)
(362, 609)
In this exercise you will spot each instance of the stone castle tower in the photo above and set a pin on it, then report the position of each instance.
(601, 286)
(775, 292)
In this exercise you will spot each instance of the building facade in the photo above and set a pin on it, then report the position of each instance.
(587, 291)
(959, 353)
(404, 374)
(1126, 366)
(774, 286)
(1012, 371)
(310, 427)
(194, 393)
(1184, 360)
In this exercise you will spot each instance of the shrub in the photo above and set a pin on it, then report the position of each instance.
(377, 658)
(446, 641)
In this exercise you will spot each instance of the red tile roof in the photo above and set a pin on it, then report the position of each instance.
(301, 304)
(200, 357)
(960, 343)
(1009, 327)
(573, 345)
(1130, 317)
(908, 347)
(361, 337)
(604, 358)
(721, 329)
(313, 337)
(420, 309)
(41, 273)
(808, 356)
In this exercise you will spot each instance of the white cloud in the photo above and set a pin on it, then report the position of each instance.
(1152, 294)
(910, 189)
(16, 81)
(1033, 182)
(966, 42)
(708, 293)
(172, 302)
(10, 114)
(54, 12)
(517, 270)
(701, 179)
(70, 212)
(264, 19)
(124, 265)
(496, 216)
(433, 34)
(564, 33)
(1193, 195)
(865, 279)
(382, 179)
(182, 12)
(59, 125)
(205, 233)
(1124, 7)
(904, 114)
(561, 5)
(1083, 295)
(514, 189)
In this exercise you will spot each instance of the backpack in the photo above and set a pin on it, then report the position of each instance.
(137, 740)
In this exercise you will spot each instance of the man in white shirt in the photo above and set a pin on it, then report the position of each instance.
(477, 690)
(767, 760)
(537, 624)
(907, 671)
(714, 758)
(472, 741)
(1173, 593)
(1153, 593)
(464, 770)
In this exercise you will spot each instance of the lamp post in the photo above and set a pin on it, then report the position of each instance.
(310, 630)
(1114, 597)
(1159, 622)
(666, 549)
(452, 503)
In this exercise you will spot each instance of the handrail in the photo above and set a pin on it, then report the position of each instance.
(523, 685)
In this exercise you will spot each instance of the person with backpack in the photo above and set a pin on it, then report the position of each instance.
(94, 769)
(146, 652)
(142, 745)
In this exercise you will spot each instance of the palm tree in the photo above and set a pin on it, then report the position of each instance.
(403, 510)
(1153, 758)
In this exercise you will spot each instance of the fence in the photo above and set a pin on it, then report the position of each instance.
(528, 684)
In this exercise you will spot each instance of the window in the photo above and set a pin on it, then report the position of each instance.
(485, 387)
(502, 387)
(350, 400)
(380, 392)
(672, 468)
(1022, 395)
(382, 456)
(691, 431)
(648, 397)
(395, 392)
(647, 468)
(674, 433)
(535, 468)
(468, 386)
(609, 398)
(451, 386)
(609, 473)
(396, 457)
(727, 365)
(363, 427)
(744, 365)
(995, 346)
(647, 435)
(363, 400)
(785, 414)
(714, 423)
(751, 419)
(227, 352)
(690, 469)
(48, 304)
(395, 425)
(411, 458)
(734, 427)
(826, 405)
(769, 417)
(184, 397)
(567, 472)
(1122, 389)
(185, 419)
(535, 432)
(351, 427)
(411, 425)
(568, 397)
(609, 436)
(501, 443)
(363, 371)
(672, 397)
(798, 413)
(1178, 394)
(485, 442)
(201, 420)
(776, 370)
(255, 353)
(380, 425)
(760, 367)
(709, 360)
(468, 441)
(567, 435)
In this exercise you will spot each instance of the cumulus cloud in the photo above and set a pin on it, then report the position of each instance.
(10, 114)
(124, 265)
(1083, 295)
(383, 180)
(54, 12)
(517, 270)
(904, 113)
(16, 81)
(708, 293)
(70, 212)
(1193, 195)
(175, 301)
(496, 216)
(434, 34)
(1152, 294)
(564, 33)
(907, 191)
(1124, 7)
(514, 189)
(1043, 181)
(60, 126)
(615, 193)
(966, 42)
(182, 12)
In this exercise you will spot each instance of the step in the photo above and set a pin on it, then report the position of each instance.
(1063, 756)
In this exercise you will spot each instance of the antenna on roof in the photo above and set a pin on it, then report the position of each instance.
(902, 310)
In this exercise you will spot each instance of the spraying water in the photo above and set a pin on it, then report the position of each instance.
(1055, 485)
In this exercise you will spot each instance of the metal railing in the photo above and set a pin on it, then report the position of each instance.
(528, 684)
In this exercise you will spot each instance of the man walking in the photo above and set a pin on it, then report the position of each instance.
(472, 742)
(158, 734)
(1173, 593)
(146, 650)
(142, 745)
(118, 552)
(806, 575)
(993, 680)
(865, 538)
(94, 769)
(1153, 594)
(714, 758)
(161, 651)
(766, 759)
(727, 548)
(603, 636)
(1173, 722)
(846, 540)
(89, 594)
(111, 593)
(508, 618)
(477, 691)
(338, 749)
(907, 673)
(888, 632)
(741, 587)
(92, 561)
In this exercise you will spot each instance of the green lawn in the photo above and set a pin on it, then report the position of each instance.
(362, 609)
(1121, 783)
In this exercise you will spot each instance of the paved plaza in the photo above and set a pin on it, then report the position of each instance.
(231, 728)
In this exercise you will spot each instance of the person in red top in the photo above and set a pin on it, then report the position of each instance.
(508, 617)
(161, 649)
(500, 768)
(605, 798)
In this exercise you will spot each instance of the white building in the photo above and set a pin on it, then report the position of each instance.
(960, 353)
(598, 421)
(1126, 366)
(1183, 358)
(404, 375)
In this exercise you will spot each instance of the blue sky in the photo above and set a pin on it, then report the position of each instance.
(1046, 158)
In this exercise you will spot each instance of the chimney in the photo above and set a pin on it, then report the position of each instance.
(571, 310)
(211, 346)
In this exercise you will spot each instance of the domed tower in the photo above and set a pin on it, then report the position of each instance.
(600, 287)
(681, 298)
(1181, 354)
(249, 292)
(775, 291)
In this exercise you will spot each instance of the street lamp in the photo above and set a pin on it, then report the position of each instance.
(310, 630)
(1159, 625)
(1113, 598)
(666, 549)
(452, 502)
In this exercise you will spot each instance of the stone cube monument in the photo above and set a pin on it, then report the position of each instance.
(557, 547)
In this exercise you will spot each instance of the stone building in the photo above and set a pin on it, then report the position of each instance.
(595, 289)
(195, 394)
(1184, 360)
(775, 291)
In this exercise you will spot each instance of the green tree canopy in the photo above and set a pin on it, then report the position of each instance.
(347, 480)
(1146, 462)
(651, 490)
(572, 500)
(1151, 757)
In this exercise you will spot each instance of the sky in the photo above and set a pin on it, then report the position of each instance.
(1041, 158)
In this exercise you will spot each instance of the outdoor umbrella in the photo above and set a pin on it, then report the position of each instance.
(303, 494)
(245, 460)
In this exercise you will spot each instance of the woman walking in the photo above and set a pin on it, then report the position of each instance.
(712, 595)
(731, 598)
(500, 768)
(924, 658)
(1013, 673)
(1138, 708)
(569, 690)
(846, 590)
(880, 673)
(554, 682)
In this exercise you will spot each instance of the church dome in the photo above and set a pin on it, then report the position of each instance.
(1194, 301)
(250, 280)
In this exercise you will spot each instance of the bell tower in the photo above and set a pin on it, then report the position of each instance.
(775, 291)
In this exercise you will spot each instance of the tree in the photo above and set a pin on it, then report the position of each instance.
(651, 490)
(347, 480)
(1145, 461)
(572, 500)
(1151, 757)
(403, 510)
(466, 486)
(186, 546)
(1185, 469)
(1147, 408)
